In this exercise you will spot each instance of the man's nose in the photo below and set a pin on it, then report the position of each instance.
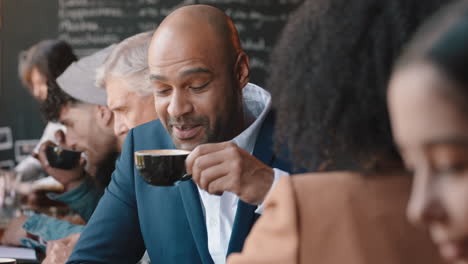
(71, 142)
(120, 128)
(179, 104)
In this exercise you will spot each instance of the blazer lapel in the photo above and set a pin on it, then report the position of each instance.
(245, 215)
(193, 210)
(245, 218)
(263, 149)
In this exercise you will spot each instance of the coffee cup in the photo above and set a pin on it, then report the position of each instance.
(61, 158)
(162, 167)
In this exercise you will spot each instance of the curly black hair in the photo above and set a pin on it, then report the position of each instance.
(55, 101)
(329, 77)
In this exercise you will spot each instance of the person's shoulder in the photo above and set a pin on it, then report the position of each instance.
(152, 126)
(349, 180)
(152, 129)
(349, 188)
(336, 185)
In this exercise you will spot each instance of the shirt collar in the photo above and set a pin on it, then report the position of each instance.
(257, 103)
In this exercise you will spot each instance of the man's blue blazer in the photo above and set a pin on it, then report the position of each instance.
(167, 221)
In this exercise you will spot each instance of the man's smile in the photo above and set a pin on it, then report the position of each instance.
(186, 132)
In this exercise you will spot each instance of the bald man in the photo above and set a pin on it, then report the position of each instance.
(199, 75)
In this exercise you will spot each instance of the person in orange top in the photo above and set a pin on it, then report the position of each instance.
(337, 56)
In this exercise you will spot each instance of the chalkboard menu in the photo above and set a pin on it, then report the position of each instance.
(89, 25)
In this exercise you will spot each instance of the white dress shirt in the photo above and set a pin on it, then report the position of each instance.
(220, 211)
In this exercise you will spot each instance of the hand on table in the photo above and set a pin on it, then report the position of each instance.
(58, 251)
(73, 219)
(224, 166)
(69, 178)
(14, 232)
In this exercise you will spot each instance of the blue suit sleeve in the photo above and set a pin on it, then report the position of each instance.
(113, 233)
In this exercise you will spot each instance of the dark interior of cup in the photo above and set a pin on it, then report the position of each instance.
(163, 167)
(61, 158)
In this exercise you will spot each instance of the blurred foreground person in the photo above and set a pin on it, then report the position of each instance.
(337, 57)
(428, 100)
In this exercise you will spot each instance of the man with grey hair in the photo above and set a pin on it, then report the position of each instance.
(124, 76)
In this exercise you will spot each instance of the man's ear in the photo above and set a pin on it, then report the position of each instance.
(242, 69)
(104, 115)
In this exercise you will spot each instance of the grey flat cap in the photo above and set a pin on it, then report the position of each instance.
(78, 80)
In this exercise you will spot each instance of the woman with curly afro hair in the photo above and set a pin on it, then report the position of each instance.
(329, 77)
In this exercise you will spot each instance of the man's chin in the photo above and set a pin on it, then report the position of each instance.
(186, 144)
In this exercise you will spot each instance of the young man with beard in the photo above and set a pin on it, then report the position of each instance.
(199, 75)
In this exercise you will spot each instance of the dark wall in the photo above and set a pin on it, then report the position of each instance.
(23, 23)
(89, 25)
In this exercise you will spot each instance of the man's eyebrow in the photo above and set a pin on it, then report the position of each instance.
(115, 108)
(117, 104)
(454, 140)
(64, 121)
(193, 71)
(156, 77)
